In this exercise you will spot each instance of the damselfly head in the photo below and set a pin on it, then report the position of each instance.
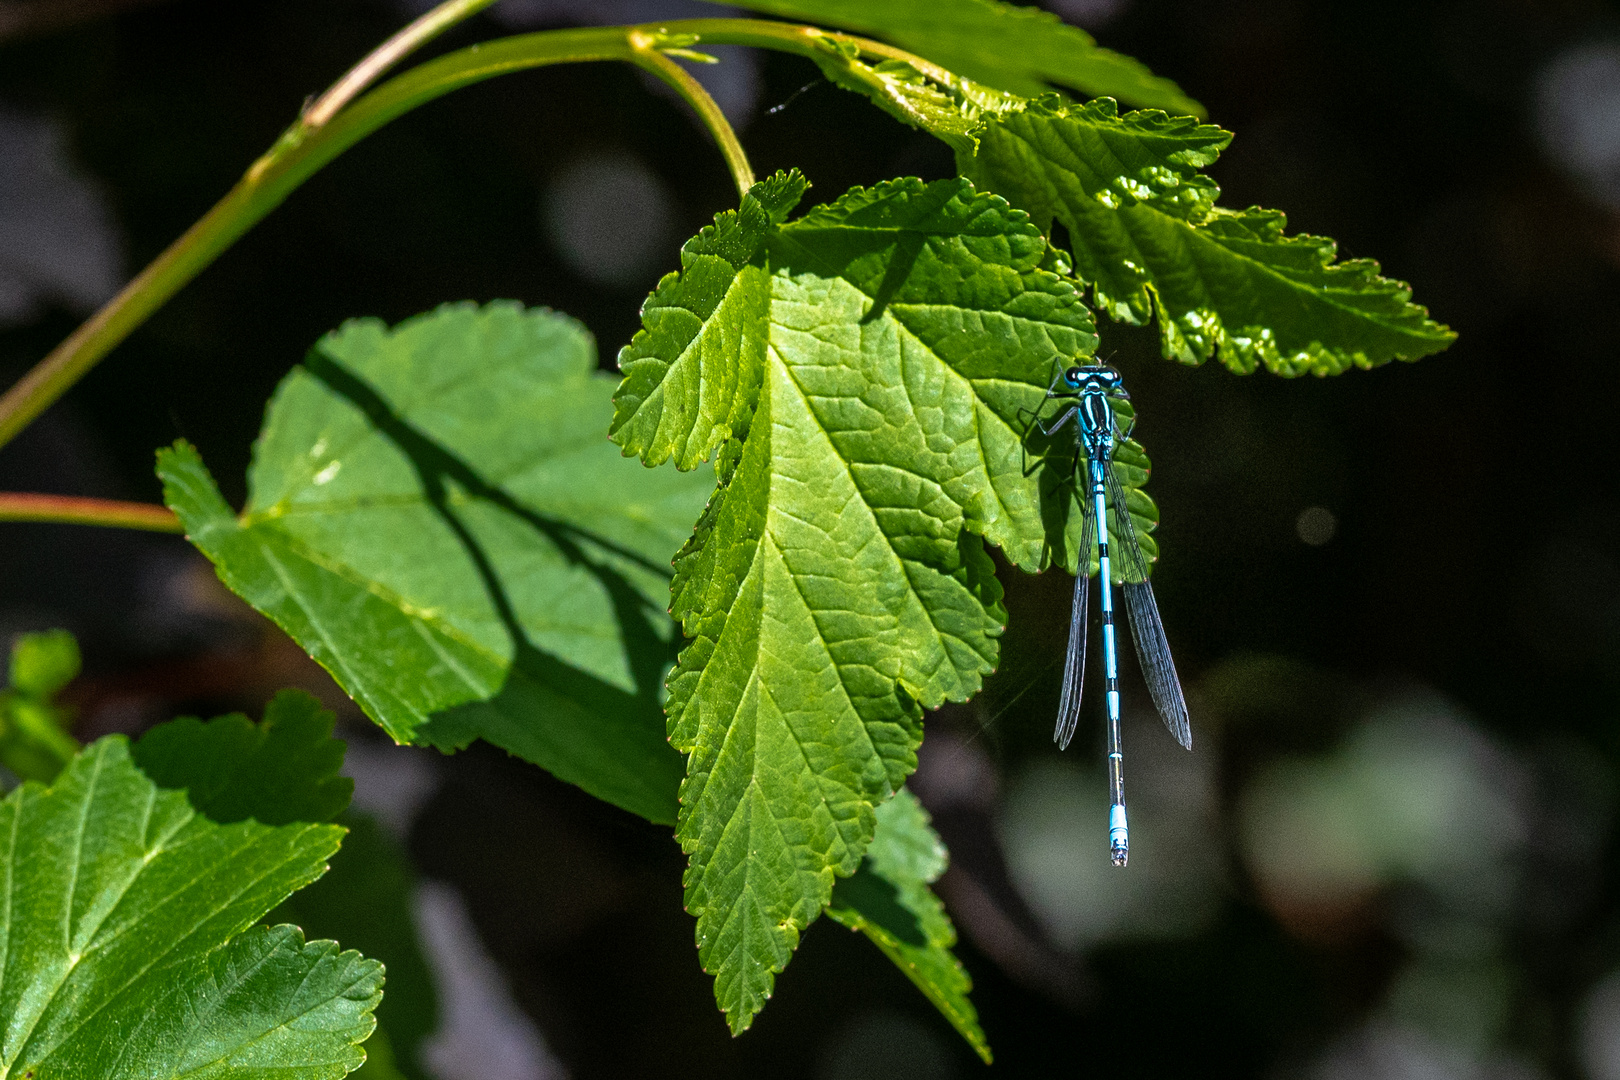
(1092, 377)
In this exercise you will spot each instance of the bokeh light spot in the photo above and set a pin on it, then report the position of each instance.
(611, 219)
(1316, 525)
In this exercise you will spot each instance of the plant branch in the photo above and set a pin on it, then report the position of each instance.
(305, 147)
(71, 510)
(648, 57)
(386, 55)
(298, 154)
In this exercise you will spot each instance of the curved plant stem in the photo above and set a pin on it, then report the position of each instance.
(305, 147)
(386, 55)
(299, 152)
(68, 509)
(650, 58)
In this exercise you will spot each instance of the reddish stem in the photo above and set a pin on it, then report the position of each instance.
(69, 509)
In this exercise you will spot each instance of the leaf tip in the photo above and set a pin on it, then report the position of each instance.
(777, 195)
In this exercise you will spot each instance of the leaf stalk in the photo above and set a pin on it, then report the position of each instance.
(72, 510)
(650, 57)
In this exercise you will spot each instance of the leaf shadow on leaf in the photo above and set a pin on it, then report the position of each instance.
(277, 772)
(546, 710)
(907, 247)
(1056, 460)
(878, 901)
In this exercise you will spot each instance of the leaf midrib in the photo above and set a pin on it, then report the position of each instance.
(87, 800)
(431, 617)
(895, 308)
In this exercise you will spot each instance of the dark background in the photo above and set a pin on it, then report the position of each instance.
(1443, 665)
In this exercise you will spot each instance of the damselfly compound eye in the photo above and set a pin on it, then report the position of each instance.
(1073, 376)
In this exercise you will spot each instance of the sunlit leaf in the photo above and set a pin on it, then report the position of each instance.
(364, 901)
(1011, 47)
(1146, 234)
(1148, 238)
(878, 354)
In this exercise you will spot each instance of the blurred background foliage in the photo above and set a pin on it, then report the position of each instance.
(1394, 596)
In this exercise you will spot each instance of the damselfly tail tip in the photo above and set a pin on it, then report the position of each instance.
(1119, 834)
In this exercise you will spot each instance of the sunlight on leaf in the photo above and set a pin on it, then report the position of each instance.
(879, 351)
(1020, 49)
(1148, 238)
(1146, 234)
(366, 902)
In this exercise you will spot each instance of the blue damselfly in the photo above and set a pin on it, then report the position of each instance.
(1093, 390)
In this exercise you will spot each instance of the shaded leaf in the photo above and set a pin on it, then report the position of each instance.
(837, 583)
(34, 739)
(434, 516)
(364, 901)
(120, 910)
(1020, 49)
(276, 772)
(890, 902)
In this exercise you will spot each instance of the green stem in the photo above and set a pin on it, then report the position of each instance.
(305, 147)
(386, 55)
(649, 58)
(299, 153)
(808, 41)
(67, 509)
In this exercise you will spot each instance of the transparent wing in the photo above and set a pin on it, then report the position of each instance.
(1074, 665)
(1152, 650)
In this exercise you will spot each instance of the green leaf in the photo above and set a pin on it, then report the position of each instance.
(1146, 233)
(1147, 236)
(364, 901)
(1019, 49)
(43, 664)
(434, 516)
(277, 772)
(122, 944)
(951, 111)
(890, 902)
(34, 740)
(880, 350)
